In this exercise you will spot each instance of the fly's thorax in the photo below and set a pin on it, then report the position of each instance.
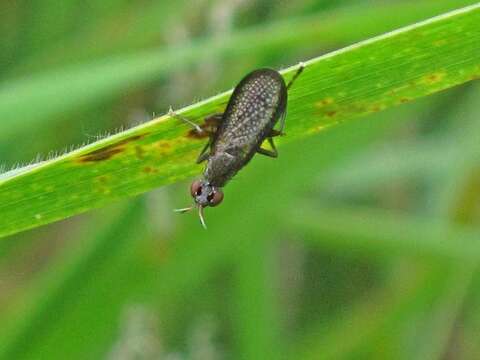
(221, 166)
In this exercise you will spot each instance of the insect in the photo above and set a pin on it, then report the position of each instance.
(258, 102)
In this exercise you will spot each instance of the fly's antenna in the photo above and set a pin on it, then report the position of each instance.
(202, 219)
(297, 74)
(200, 214)
(184, 210)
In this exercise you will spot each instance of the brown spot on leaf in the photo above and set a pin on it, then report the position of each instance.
(131, 139)
(127, 140)
(139, 152)
(331, 113)
(165, 145)
(101, 154)
(325, 102)
(149, 170)
(108, 151)
(398, 89)
(434, 78)
(194, 134)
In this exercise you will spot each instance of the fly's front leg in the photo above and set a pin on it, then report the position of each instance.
(209, 127)
(184, 119)
(204, 154)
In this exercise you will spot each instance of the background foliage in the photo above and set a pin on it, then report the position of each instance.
(366, 248)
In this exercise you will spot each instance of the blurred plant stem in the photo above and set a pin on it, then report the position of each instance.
(451, 236)
(459, 198)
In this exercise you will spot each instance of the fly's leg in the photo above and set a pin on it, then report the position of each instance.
(274, 133)
(281, 121)
(184, 119)
(301, 66)
(212, 122)
(282, 125)
(204, 154)
(271, 153)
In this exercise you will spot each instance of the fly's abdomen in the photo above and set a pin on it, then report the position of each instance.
(255, 106)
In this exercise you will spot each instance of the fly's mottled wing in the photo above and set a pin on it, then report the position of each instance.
(254, 107)
(256, 104)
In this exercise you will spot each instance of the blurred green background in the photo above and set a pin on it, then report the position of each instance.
(366, 248)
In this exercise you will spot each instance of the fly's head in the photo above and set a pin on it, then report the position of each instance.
(204, 194)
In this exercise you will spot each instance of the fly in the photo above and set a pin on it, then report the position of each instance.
(258, 102)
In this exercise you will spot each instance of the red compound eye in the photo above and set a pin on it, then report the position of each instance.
(216, 198)
(196, 188)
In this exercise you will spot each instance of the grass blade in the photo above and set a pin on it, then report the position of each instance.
(384, 232)
(361, 79)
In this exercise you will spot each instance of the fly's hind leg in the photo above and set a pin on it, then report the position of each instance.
(301, 66)
(282, 125)
(281, 121)
(270, 153)
(209, 128)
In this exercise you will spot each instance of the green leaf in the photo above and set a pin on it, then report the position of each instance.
(361, 79)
